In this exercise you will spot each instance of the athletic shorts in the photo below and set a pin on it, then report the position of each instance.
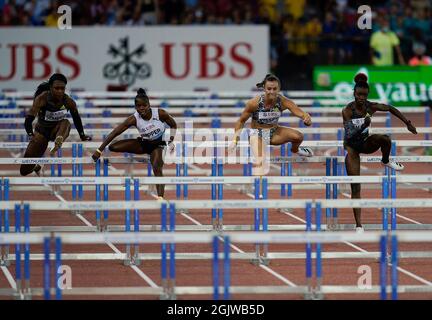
(357, 144)
(48, 132)
(148, 146)
(265, 134)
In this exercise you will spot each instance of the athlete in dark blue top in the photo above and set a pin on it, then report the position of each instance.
(50, 105)
(357, 119)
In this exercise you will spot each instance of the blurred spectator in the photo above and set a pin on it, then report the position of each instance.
(267, 10)
(313, 32)
(329, 37)
(149, 12)
(51, 20)
(382, 44)
(295, 8)
(419, 58)
(303, 33)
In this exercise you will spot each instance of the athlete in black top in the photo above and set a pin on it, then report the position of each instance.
(357, 119)
(51, 105)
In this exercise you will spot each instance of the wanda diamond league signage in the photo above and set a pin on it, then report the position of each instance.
(157, 58)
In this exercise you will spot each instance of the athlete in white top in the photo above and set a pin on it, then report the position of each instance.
(150, 123)
(265, 111)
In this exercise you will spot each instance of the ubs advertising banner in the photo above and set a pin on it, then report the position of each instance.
(398, 85)
(157, 58)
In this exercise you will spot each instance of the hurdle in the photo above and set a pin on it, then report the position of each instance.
(216, 180)
(234, 237)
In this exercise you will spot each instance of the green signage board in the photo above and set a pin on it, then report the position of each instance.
(397, 85)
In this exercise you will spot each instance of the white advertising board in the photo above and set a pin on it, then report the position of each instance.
(162, 58)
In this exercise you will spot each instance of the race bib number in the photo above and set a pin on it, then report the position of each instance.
(55, 116)
(151, 132)
(269, 115)
(358, 123)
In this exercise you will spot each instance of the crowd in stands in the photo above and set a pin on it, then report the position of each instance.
(303, 32)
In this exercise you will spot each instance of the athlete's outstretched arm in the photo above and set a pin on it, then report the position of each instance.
(251, 106)
(295, 110)
(38, 103)
(130, 121)
(71, 105)
(169, 120)
(395, 112)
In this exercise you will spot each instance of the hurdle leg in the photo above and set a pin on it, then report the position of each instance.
(59, 171)
(135, 259)
(213, 196)
(1, 221)
(18, 295)
(172, 283)
(6, 260)
(308, 249)
(27, 290)
(335, 195)
(318, 294)
(264, 260)
(80, 174)
(256, 260)
(105, 197)
(128, 260)
(220, 197)
(329, 218)
(164, 284)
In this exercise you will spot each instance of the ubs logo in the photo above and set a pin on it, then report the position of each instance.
(128, 69)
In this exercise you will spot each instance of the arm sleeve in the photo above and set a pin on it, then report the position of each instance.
(28, 124)
(77, 122)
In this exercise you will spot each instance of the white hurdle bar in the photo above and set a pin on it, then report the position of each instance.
(225, 204)
(305, 143)
(111, 120)
(209, 160)
(145, 180)
(206, 237)
(209, 110)
(228, 131)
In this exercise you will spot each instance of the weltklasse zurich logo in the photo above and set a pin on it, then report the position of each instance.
(128, 68)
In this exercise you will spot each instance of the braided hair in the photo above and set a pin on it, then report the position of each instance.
(142, 95)
(361, 81)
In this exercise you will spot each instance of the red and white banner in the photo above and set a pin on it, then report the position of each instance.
(157, 58)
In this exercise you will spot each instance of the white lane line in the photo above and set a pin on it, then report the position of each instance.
(411, 184)
(114, 248)
(269, 270)
(144, 276)
(408, 273)
(420, 279)
(9, 277)
(397, 214)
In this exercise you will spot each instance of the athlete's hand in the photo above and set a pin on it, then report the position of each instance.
(96, 155)
(367, 121)
(233, 144)
(307, 120)
(171, 147)
(85, 138)
(411, 128)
